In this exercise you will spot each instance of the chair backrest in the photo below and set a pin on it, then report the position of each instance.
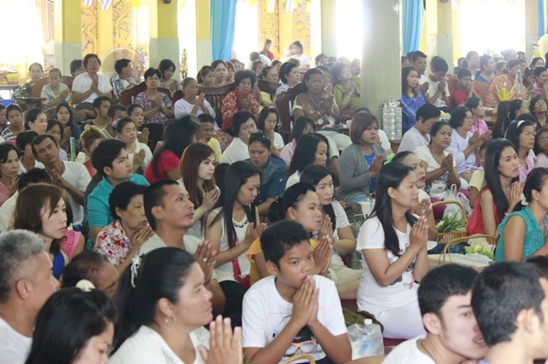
(215, 96)
(283, 104)
(36, 87)
(269, 87)
(127, 96)
(177, 95)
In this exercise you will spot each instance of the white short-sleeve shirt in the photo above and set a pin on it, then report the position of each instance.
(408, 353)
(14, 347)
(78, 176)
(372, 297)
(138, 147)
(83, 82)
(236, 151)
(413, 139)
(147, 346)
(266, 313)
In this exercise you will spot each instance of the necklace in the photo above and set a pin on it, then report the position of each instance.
(240, 224)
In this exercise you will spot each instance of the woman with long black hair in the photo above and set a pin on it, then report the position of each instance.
(393, 246)
(231, 228)
(165, 162)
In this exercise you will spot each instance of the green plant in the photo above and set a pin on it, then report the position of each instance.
(478, 249)
(450, 223)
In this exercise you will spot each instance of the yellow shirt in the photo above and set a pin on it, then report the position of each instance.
(214, 144)
(255, 249)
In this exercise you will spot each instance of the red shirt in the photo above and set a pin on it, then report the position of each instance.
(167, 162)
(459, 97)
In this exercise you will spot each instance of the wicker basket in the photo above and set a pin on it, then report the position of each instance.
(452, 235)
(445, 256)
(299, 357)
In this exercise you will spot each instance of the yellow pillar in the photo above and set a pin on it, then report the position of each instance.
(531, 26)
(105, 32)
(68, 42)
(329, 27)
(203, 33)
(444, 37)
(163, 30)
(286, 27)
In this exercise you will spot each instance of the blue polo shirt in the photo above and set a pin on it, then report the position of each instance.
(273, 179)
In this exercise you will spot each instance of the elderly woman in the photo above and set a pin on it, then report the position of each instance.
(192, 103)
(463, 142)
(316, 104)
(241, 99)
(157, 106)
(121, 239)
(505, 84)
(244, 125)
(290, 77)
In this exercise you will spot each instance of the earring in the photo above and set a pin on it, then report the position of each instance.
(170, 324)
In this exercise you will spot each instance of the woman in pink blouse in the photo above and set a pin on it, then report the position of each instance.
(157, 105)
(478, 113)
(241, 99)
(121, 239)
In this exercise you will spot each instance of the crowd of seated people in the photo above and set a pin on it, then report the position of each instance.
(184, 228)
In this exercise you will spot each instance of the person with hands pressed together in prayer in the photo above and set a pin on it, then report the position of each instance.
(169, 289)
(89, 85)
(120, 241)
(55, 91)
(440, 168)
(192, 102)
(157, 105)
(394, 257)
(502, 191)
(521, 134)
(361, 161)
(300, 204)
(241, 99)
(72, 177)
(303, 314)
(232, 227)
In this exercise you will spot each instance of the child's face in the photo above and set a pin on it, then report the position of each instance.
(209, 78)
(15, 118)
(63, 115)
(296, 265)
(438, 75)
(54, 80)
(465, 83)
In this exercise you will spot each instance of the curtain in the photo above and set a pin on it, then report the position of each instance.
(223, 16)
(413, 15)
(541, 23)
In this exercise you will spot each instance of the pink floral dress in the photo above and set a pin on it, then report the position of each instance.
(113, 243)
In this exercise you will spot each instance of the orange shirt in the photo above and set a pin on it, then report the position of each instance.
(255, 249)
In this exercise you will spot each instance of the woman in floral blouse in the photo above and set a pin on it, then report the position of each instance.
(157, 105)
(121, 239)
(241, 99)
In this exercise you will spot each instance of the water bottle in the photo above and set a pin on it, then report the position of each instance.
(371, 343)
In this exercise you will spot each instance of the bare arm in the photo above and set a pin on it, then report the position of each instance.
(336, 348)
(384, 272)
(488, 213)
(346, 243)
(174, 174)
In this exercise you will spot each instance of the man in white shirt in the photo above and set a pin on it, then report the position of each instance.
(27, 283)
(73, 177)
(170, 214)
(438, 91)
(510, 300)
(418, 62)
(419, 134)
(89, 85)
(453, 336)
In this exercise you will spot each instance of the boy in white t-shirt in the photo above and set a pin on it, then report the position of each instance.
(438, 92)
(292, 312)
(453, 336)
